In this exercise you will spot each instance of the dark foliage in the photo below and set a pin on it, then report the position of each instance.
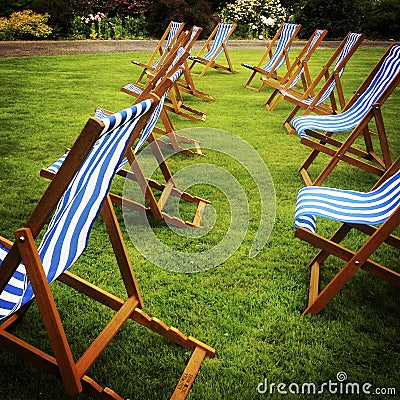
(339, 17)
(382, 19)
(191, 12)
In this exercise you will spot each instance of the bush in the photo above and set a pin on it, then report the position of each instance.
(338, 17)
(24, 25)
(162, 12)
(255, 19)
(100, 26)
(382, 19)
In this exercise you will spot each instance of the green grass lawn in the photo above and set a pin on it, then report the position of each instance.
(248, 309)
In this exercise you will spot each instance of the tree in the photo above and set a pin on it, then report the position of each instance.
(382, 19)
(7, 7)
(339, 17)
(130, 8)
(191, 12)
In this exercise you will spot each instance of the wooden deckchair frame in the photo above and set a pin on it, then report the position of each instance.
(346, 151)
(62, 364)
(300, 63)
(212, 62)
(313, 91)
(186, 83)
(354, 260)
(272, 75)
(159, 51)
(154, 77)
(149, 186)
(174, 100)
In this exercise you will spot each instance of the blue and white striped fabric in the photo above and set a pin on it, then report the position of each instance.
(350, 42)
(193, 33)
(285, 36)
(350, 118)
(171, 35)
(349, 206)
(316, 36)
(69, 229)
(157, 111)
(215, 50)
(156, 114)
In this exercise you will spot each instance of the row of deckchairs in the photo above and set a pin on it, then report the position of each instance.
(376, 213)
(215, 45)
(363, 108)
(58, 230)
(356, 210)
(79, 191)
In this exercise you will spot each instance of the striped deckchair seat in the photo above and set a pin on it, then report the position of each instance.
(350, 42)
(68, 232)
(130, 87)
(175, 26)
(154, 117)
(286, 35)
(194, 32)
(348, 206)
(215, 49)
(350, 118)
(315, 38)
(172, 33)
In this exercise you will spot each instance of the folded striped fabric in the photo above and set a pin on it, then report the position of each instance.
(371, 208)
(350, 118)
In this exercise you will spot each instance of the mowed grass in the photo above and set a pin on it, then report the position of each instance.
(249, 310)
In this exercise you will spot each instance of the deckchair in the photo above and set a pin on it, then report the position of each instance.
(274, 59)
(173, 61)
(156, 194)
(161, 50)
(321, 100)
(298, 75)
(186, 83)
(362, 109)
(376, 214)
(76, 195)
(214, 46)
(174, 102)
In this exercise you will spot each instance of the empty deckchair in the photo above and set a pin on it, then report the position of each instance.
(214, 46)
(322, 100)
(151, 187)
(376, 214)
(174, 102)
(175, 140)
(161, 50)
(298, 75)
(78, 192)
(363, 108)
(155, 194)
(274, 60)
(173, 61)
(186, 83)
